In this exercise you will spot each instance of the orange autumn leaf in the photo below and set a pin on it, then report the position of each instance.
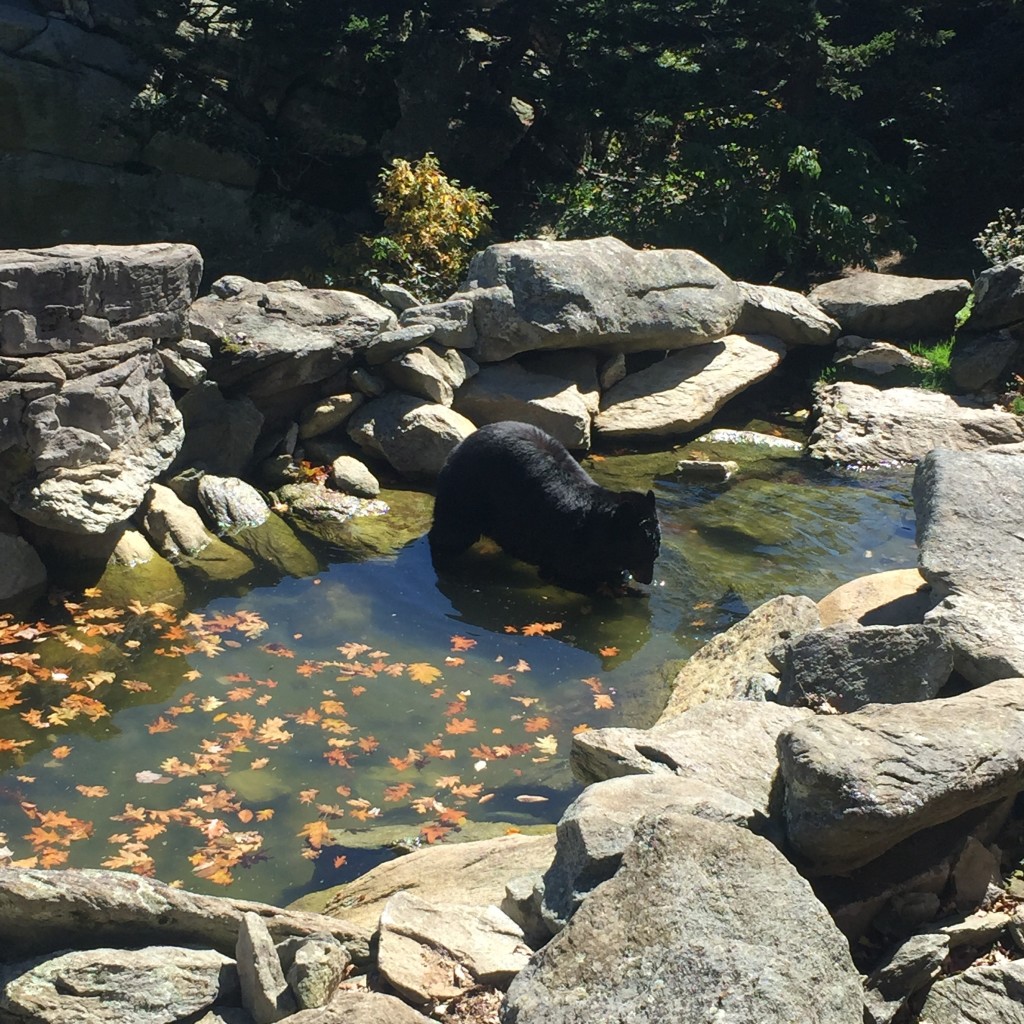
(608, 652)
(272, 733)
(265, 815)
(368, 744)
(454, 662)
(538, 724)
(392, 794)
(259, 762)
(338, 758)
(316, 833)
(459, 726)
(511, 629)
(308, 717)
(8, 745)
(339, 861)
(307, 796)
(93, 791)
(451, 816)
(136, 685)
(279, 650)
(60, 752)
(503, 679)
(161, 725)
(144, 833)
(431, 834)
(245, 815)
(540, 628)
(467, 792)
(358, 691)
(521, 666)
(603, 701)
(351, 651)
(462, 643)
(423, 673)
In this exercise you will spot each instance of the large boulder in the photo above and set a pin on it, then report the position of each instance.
(998, 297)
(857, 785)
(862, 425)
(600, 823)
(722, 668)
(703, 921)
(595, 292)
(153, 985)
(889, 306)
(74, 297)
(786, 315)
(969, 508)
(89, 449)
(508, 392)
(87, 908)
(272, 339)
(87, 422)
(686, 389)
(850, 666)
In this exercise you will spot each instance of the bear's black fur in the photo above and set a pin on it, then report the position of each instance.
(516, 484)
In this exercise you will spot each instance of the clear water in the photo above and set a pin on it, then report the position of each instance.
(312, 768)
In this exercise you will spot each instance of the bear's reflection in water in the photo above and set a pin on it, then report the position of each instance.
(487, 588)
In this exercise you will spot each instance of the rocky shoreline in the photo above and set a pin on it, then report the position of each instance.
(825, 778)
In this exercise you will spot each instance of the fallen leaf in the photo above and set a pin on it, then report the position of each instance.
(423, 673)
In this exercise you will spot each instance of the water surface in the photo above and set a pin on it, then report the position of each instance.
(288, 733)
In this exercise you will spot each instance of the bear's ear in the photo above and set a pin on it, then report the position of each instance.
(650, 500)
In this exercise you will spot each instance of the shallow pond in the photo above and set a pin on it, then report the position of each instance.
(273, 741)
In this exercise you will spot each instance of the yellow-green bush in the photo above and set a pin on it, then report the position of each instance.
(431, 223)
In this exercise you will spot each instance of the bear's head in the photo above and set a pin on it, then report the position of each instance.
(634, 537)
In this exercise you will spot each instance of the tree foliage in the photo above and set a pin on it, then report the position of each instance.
(779, 136)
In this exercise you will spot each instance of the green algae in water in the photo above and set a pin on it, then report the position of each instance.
(341, 741)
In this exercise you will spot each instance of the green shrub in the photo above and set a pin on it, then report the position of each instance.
(431, 223)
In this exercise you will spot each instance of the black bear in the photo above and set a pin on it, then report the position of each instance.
(519, 486)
